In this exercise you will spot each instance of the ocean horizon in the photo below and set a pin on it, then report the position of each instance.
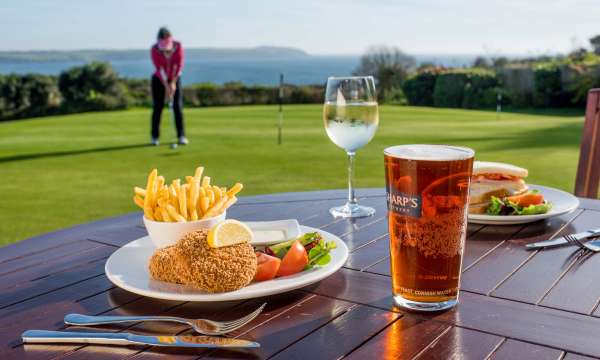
(250, 70)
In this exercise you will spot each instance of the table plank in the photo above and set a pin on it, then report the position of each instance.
(514, 349)
(539, 325)
(72, 275)
(459, 343)
(369, 254)
(41, 243)
(357, 287)
(403, 339)
(540, 274)
(507, 257)
(340, 336)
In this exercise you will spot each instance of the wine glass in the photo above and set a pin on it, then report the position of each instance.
(351, 117)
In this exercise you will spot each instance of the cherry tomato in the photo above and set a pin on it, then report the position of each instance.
(268, 266)
(294, 261)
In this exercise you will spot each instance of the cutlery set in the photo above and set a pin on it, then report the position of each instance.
(583, 240)
(201, 326)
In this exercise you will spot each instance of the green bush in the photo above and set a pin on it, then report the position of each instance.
(137, 91)
(449, 89)
(480, 91)
(547, 86)
(95, 86)
(29, 95)
(419, 88)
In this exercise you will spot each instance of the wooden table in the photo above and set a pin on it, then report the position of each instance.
(514, 304)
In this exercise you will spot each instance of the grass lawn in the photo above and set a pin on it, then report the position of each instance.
(71, 169)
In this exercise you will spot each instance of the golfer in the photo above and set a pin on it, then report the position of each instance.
(167, 57)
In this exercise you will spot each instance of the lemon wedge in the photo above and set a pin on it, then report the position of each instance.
(229, 232)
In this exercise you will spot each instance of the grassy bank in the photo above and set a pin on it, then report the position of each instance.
(76, 168)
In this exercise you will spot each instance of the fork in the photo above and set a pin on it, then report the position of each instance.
(582, 245)
(202, 326)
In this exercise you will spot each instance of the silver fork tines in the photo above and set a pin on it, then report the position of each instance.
(202, 326)
(573, 240)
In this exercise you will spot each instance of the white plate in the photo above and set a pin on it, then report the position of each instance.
(127, 268)
(562, 203)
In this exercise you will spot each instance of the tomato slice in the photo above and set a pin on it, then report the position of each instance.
(527, 199)
(268, 266)
(294, 261)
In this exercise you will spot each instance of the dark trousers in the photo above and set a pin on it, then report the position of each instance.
(158, 103)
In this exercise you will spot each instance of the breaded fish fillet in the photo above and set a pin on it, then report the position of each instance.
(192, 262)
(166, 265)
(216, 269)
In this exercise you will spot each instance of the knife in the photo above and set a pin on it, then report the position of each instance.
(561, 240)
(121, 338)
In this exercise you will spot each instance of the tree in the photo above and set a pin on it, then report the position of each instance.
(94, 86)
(481, 62)
(595, 41)
(389, 65)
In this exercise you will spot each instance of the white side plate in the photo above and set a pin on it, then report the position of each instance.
(272, 232)
(127, 268)
(562, 203)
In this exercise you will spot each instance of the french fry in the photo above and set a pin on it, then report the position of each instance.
(211, 196)
(217, 192)
(214, 210)
(138, 201)
(206, 182)
(162, 205)
(148, 212)
(198, 173)
(230, 201)
(174, 214)
(183, 201)
(235, 189)
(194, 199)
(157, 215)
(204, 202)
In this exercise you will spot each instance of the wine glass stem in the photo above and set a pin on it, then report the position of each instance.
(351, 198)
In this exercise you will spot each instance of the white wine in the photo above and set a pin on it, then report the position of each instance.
(351, 126)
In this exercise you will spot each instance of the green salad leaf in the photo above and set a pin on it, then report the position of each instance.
(495, 207)
(319, 254)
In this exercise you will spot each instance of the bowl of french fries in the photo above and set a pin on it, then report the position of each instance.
(172, 210)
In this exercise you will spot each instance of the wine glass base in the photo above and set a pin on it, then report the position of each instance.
(350, 210)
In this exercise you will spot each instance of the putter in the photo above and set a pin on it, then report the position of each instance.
(170, 105)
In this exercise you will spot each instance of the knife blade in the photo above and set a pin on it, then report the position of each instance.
(561, 240)
(121, 338)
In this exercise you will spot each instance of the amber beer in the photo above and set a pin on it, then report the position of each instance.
(427, 194)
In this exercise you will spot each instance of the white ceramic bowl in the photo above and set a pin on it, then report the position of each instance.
(168, 233)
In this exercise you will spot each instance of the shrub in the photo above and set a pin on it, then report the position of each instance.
(481, 90)
(419, 88)
(137, 91)
(94, 86)
(547, 86)
(449, 89)
(29, 95)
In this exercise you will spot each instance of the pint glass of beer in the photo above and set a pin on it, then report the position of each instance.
(427, 195)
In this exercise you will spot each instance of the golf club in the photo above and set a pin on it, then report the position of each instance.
(172, 115)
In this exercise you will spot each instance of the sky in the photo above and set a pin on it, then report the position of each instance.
(316, 26)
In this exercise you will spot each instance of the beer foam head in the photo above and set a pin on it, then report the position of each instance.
(429, 152)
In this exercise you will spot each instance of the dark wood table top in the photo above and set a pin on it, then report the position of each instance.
(514, 304)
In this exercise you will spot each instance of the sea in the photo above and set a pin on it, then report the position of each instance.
(312, 69)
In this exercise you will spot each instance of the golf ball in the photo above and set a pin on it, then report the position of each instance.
(173, 146)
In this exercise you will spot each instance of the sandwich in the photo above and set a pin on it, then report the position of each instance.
(493, 179)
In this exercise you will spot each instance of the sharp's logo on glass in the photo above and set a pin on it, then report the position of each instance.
(404, 204)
